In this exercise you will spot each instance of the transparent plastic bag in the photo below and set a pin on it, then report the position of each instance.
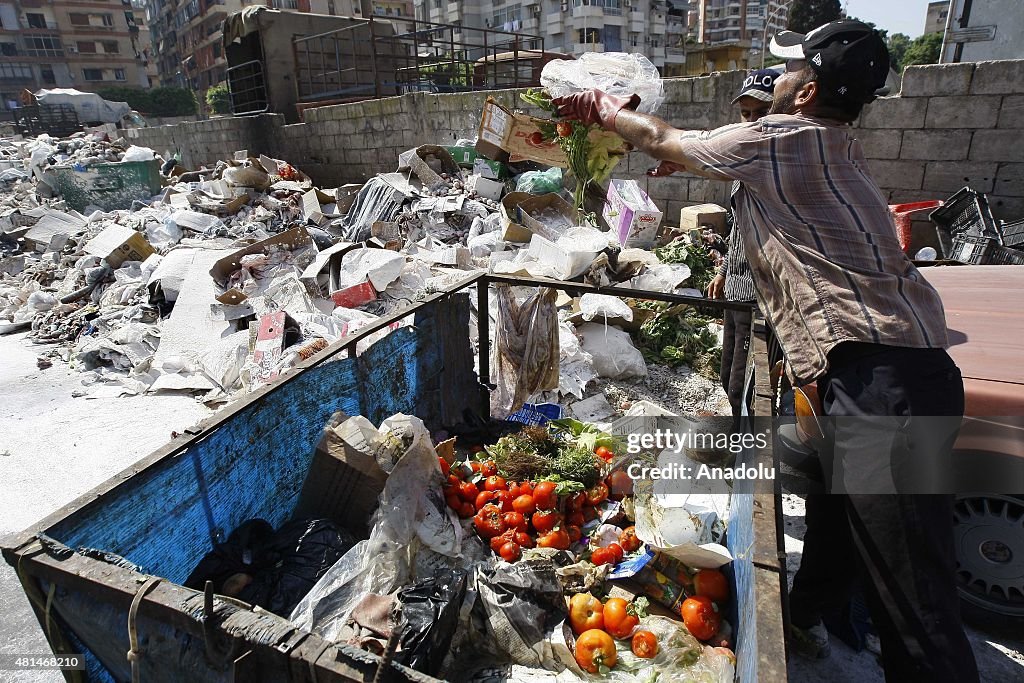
(616, 73)
(604, 306)
(525, 352)
(540, 182)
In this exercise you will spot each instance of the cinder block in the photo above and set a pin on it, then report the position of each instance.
(975, 111)
(704, 89)
(1010, 181)
(1006, 208)
(678, 91)
(950, 176)
(897, 175)
(639, 163)
(936, 145)
(694, 116)
(997, 145)
(894, 112)
(880, 144)
(1011, 114)
(998, 78)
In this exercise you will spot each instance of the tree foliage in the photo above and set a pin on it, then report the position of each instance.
(924, 50)
(898, 44)
(807, 15)
(155, 101)
(218, 99)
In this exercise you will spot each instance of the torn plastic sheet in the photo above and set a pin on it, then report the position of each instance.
(576, 366)
(413, 534)
(525, 348)
(378, 200)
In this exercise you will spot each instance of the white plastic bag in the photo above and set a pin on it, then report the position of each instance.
(604, 306)
(616, 73)
(615, 356)
(139, 154)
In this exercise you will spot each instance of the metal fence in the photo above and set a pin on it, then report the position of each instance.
(373, 59)
(247, 90)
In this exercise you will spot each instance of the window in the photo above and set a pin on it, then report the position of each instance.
(43, 46)
(590, 35)
(78, 19)
(330, 7)
(108, 19)
(507, 15)
(119, 74)
(92, 74)
(285, 4)
(110, 47)
(47, 73)
(15, 72)
(87, 47)
(35, 20)
(8, 49)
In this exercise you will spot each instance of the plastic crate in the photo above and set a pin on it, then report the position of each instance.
(972, 249)
(1012, 233)
(965, 213)
(1005, 256)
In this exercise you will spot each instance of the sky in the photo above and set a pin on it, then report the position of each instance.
(895, 16)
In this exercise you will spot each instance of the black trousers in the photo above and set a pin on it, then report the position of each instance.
(735, 344)
(901, 544)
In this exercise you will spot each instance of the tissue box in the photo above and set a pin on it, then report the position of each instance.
(631, 215)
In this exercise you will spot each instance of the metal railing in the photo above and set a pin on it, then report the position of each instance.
(373, 59)
(247, 90)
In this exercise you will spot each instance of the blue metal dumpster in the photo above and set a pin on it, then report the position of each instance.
(167, 511)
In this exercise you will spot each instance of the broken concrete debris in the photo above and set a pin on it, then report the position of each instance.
(219, 279)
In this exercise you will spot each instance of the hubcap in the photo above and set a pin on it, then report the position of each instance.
(989, 535)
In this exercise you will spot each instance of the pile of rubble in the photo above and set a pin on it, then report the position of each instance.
(220, 279)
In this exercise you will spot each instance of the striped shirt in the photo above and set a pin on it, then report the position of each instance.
(739, 284)
(822, 246)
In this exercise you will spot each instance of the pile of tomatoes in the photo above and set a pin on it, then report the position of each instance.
(513, 515)
(700, 611)
(597, 624)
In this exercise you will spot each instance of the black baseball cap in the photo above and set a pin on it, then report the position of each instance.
(759, 84)
(847, 55)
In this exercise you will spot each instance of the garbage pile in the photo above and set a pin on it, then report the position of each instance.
(218, 280)
(532, 554)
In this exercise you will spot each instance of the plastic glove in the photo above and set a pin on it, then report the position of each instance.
(595, 108)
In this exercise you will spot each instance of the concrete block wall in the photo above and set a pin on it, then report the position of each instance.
(950, 126)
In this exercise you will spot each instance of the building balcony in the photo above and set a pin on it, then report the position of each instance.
(588, 12)
(580, 48)
(531, 25)
(554, 22)
(637, 22)
(655, 53)
(38, 26)
(453, 8)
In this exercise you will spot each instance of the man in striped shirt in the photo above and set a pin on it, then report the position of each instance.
(853, 314)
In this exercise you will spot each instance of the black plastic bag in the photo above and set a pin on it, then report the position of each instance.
(272, 569)
(429, 617)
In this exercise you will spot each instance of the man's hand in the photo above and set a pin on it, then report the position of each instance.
(716, 290)
(595, 108)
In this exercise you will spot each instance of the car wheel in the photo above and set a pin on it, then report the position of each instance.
(989, 535)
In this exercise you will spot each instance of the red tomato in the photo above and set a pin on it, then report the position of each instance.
(501, 539)
(495, 483)
(628, 539)
(503, 499)
(617, 550)
(468, 491)
(564, 129)
(597, 495)
(513, 488)
(595, 650)
(575, 533)
(525, 505)
(515, 520)
(576, 502)
(483, 498)
(585, 612)
(544, 521)
(589, 514)
(524, 539)
(618, 619)
(604, 453)
(526, 488)
(575, 519)
(711, 583)
(544, 495)
(645, 645)
(445, 467)
(602, 556)
(700, 617)
(489, 469)
(558, 539)
(620, 485)
(454, 502)
(475, 466)
(488, 521)
(510, 552)
(453, 479)
(467, 510)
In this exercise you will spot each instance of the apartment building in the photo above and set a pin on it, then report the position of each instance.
(68, 44)
(935, 20)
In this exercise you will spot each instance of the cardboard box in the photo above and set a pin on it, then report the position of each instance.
(343, 484)
(568, 263)
(118, 244)
(485, 187)
(268, 347)
(355, 296)
(463, 156)
(631, 215)
(504, 135)
(493, 170)
(693, 217)
(296, 238)
(519, 211)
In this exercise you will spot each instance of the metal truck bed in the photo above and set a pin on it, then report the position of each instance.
(250, 460)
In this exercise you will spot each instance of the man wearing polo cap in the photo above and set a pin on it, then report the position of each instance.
(854, 315)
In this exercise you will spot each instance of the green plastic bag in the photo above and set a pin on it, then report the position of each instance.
(540, 182)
